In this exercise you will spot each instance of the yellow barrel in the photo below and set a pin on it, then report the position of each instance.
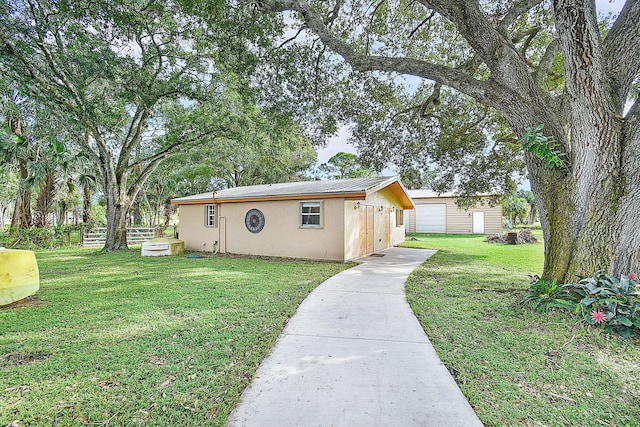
(19, 275)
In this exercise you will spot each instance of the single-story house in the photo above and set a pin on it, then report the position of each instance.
(333, 220)
(438, 213)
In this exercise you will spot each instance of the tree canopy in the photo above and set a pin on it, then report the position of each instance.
(345, 165)
(130, 83)
(530, 63)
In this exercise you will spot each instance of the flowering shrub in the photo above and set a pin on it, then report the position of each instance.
(601, 300)
(604, 300)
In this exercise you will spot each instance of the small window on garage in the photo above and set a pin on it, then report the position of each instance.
(210, 215)
(311, 214)
(399, 217)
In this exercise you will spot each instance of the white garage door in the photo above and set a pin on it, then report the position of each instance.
(431, 218)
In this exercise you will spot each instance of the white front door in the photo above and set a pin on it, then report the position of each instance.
(478, 223)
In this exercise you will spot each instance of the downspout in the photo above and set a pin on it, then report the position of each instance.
(221, 220)
(215, 248)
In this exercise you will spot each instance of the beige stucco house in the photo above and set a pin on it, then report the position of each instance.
(438, 213)
(333, 220)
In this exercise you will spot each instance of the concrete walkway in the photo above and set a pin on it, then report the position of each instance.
(354, 354)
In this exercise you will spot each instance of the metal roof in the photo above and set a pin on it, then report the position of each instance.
(202, 197)
(428, 194)
(353, 185)
(419, 194)
(303, 189)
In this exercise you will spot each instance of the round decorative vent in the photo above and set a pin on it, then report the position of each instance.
(254, 220)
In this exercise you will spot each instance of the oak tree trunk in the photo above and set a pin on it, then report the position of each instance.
(590, 209)
(117, 219)
(120, 197)
(580, 206)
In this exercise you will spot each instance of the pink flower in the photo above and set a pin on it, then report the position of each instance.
(633, 276)
(598, 317)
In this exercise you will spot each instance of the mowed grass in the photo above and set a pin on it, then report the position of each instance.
(518, 367)
(123, 340)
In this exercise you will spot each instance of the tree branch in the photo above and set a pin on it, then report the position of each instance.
(371, 18)
(514, 13)
(432, 101)
(153, 161)
(88, 150)
(484, 91)
(275, 5)
(621, 49)
(134, 135)
(472, 24)
(545, 63)
(134, 189)
(424, 21)
(508, 69)
(36, 74)
(159, 53)
(57, 70)
(470, 126)
(105, 161)
(289, 40)
(334, 13)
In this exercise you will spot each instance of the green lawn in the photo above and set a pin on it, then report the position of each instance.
(517, 367)
(124, 340)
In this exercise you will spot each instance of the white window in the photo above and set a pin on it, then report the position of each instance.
(399, 217)
(311, 214)
(210, 215)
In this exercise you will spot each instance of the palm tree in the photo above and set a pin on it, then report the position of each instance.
(16, 149)
(88, 182)
(47, 172)
(531, 200)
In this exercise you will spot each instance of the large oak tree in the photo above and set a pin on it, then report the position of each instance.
(535, 63)
(134, 82)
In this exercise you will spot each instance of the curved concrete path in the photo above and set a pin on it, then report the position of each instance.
(354, 354)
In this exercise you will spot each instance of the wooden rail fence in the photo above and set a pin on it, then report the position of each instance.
(96, 236)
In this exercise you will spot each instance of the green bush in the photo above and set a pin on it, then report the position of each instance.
(42, 238)
(546, 294)
(601, 300)
(606, 301)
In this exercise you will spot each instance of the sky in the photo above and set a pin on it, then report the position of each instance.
(339, 142)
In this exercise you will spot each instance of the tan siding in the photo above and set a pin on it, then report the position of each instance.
(191, 229)
(412, 221)
(282, 235)
(460, 221)
(493, 220)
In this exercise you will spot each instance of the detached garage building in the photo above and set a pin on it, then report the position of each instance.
(333, 220)
(439, 214)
